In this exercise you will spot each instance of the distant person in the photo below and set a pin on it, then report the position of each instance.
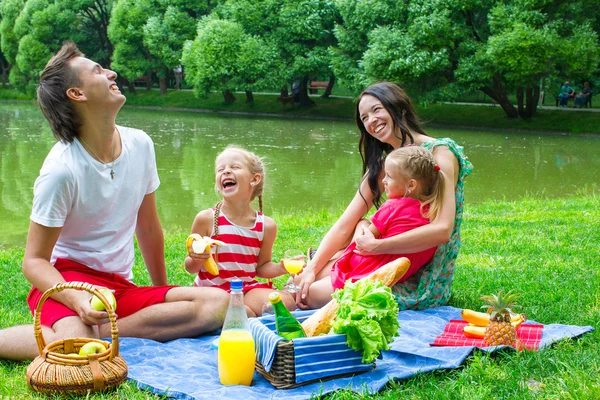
(95, 190)
(587, 92)
(414, 185)
(566, 93)
(178, 71)
(386, 120)
(296, 91)
(240, 178)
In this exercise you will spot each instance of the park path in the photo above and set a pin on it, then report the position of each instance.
(539, 108)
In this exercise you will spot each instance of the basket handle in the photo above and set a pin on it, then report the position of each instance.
(88, 287)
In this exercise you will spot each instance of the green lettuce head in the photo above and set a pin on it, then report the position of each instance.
(368, 316)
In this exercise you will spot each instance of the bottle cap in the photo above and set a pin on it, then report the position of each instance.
(274, 297)
(236, 284)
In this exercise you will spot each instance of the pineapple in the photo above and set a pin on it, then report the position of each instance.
(500, 331)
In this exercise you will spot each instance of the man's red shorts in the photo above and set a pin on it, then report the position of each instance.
(130, 298)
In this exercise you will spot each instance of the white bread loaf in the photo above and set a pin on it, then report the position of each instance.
(320, 322)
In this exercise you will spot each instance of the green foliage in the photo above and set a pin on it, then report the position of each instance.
(211, 59)
(130, 58)
(439, 46)
(9, 42)
(164, 35)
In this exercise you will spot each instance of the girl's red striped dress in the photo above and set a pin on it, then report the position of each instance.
(239, 258)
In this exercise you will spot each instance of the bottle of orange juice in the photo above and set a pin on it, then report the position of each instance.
(236, 345)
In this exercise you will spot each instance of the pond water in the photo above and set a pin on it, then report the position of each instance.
(311, 164)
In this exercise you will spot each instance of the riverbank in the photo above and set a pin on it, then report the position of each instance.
(342, 108)
(545, 250)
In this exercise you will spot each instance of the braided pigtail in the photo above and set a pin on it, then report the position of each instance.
(216, 227)
(260, 203)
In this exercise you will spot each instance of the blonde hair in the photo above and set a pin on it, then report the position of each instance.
(255, 165)
(416, 162)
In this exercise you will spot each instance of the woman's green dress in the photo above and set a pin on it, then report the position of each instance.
(430, 286)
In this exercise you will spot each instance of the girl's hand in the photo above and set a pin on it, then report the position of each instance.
(307, 279)
(194, 262)
(199, 257)
(366, 243)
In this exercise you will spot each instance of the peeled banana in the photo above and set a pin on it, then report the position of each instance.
(483, 319)
(196, 243)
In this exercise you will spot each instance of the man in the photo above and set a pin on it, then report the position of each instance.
(178, 71)
(566, 93)
(95, 189)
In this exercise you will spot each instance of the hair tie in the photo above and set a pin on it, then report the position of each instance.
(437, 167)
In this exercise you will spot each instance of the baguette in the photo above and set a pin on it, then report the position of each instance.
(320, 322)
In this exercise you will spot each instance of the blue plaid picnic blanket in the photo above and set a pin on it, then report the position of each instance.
(187, 368)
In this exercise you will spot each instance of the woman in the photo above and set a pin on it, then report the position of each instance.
(387, 121)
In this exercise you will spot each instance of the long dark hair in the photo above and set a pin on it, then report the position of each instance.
(372, 151)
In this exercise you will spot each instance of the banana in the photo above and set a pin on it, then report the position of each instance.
(483, 319)
(474, 332)
(199, 244)
(474, 317)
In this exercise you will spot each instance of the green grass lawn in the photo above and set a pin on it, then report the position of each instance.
(451, 115)
(546, 250)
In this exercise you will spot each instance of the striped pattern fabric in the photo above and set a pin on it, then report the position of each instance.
(315, 357)
(528, 336)
(239, 258)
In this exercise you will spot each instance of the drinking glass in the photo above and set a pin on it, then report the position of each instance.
(293, 262)
(267, 309)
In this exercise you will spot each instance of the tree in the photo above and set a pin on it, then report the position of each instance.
(34, 29)
(5, 69)
(299, 31)
(444, 48)
(131, 59)
(211, 59)
(149, 36)
(164, 37)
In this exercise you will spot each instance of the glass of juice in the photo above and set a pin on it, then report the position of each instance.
(293, 262)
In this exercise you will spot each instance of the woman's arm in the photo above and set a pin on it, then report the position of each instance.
(427, 236)
(266, 268)
(203, 226)
(340, 234)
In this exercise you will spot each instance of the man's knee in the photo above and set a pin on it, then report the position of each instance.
(72, 327)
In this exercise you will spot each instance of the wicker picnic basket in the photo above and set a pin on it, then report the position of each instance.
(283, 371)
(56, 369)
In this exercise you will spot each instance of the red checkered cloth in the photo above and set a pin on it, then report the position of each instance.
(528, 336)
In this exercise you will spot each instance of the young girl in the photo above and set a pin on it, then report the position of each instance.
(414, 185)
(240, 178)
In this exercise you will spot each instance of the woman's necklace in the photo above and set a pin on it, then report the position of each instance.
(112, 170)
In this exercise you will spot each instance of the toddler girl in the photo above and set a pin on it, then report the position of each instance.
(414, 185)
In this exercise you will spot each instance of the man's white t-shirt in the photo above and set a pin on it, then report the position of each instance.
(98, 215)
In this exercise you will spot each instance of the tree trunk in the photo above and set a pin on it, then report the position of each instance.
(329, 87)
(228, 96)
(130, 85)
(4, 73)
(149, 82)
(498, 93)
(520, 107)
(162, 84)
(532, 97)
(249, 96)
(305, 100)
